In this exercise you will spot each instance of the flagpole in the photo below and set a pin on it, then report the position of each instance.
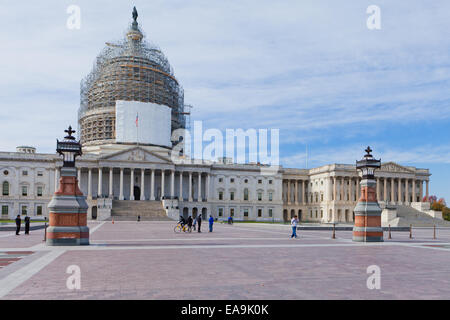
(137, 128)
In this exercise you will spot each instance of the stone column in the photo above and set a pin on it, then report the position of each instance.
(99, 187)
(407, 191)
(162, 184)
(89, 183)
(392, 190)
(414, 195)
(132, 184)
(334, 189)
(358, 188)
(79, 178)
(378, 188)
(199, 187)
(351, 189)
(289, 191)
(296, 191)
(142, 184)
(190, 187)
(399, 196)
(304, 192)
(172, 184)
(152, 185)
(180, 197)
(427, 188)
(342, 189)
(111, 192)
(207, 186)
(385, 190)
(121, 185)
(56, 179)
(420, 191)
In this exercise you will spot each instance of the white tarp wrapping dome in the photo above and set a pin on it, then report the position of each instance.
(153, 123)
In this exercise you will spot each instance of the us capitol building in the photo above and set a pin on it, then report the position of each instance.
(125, 172)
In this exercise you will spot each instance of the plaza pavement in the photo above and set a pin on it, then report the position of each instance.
(147, 260)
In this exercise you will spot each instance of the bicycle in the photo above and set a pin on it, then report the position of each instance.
(179, 227)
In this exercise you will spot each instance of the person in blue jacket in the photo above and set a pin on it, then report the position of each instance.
(211, 221)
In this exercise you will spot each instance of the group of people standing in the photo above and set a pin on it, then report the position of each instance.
(192, 223)
(19, 222)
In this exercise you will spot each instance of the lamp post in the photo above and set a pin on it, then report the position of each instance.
(68, 207)
(367, 226)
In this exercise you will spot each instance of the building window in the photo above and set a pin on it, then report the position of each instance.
(220, 179)
(24, 172)
(220, 212)
(246, 181)
(220, 195)
(245, 212)
(40, 174)
(4, 210)
(246, 194)
(259, 181)
(5, 188)
(5, 172)
(39, 210)
(270, 196)
(321, 214)
(39, 191)
(270, 181)
(231, 195)
(270, 213)
(259, 212)
(259, 196)
(24, 210)
(321, 197)
(232, 180)
(232, 212)
(24, 191)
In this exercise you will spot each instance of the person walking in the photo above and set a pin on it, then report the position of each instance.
(194, 224)
(199, 222)
(27, 225)
(189, 221)
(294, 222)
(211, 221)
(18, 222)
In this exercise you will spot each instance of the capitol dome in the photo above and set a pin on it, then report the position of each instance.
(129, 70)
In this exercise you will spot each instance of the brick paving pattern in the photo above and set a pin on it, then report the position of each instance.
(147, 260)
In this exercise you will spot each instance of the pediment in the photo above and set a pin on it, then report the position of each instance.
(394, 167)
(136, 154)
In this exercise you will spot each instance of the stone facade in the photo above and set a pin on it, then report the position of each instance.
(325, 194)
(329, 193)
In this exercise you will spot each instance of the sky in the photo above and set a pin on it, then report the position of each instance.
(311, 69)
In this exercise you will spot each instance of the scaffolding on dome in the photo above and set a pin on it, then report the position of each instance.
(130, 70)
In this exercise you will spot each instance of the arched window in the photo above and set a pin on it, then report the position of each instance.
(246, 194)
(5, 188)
